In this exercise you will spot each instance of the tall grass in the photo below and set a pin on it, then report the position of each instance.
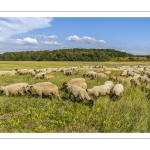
(31, 114)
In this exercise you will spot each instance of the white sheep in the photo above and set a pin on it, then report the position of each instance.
(80, 93)
(68, 72)
(109, 83)
(14, 89)
(117, 90)
(76, 81)
(44, 88)
(40, 75)
(101, 90)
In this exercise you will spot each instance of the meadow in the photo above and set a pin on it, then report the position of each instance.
(31, 114)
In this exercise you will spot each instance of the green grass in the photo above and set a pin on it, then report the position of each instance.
(29, 114)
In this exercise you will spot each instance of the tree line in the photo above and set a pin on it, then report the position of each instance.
(76, 54)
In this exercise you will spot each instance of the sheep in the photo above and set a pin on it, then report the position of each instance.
(131, 73)
(31, 72)
(10, 73)
(113, 78)
(40, 75)
(48, 76)
(125, 80)
(101, 90)
(77, 79)
(143, 78)
(89, 74)
(109, 83)
(40, 70)
(124, 73)
(80, 93)
(136, 76)
(44, 88)
(14, 89)
(117, 91)
(67, 85)
(135, 82)
(101, 75)
(68, 72)
(107, 72)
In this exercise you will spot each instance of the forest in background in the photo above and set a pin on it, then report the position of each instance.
(75, 54)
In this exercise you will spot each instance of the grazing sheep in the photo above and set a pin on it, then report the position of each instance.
(131, 73)
(99, 90)
(77, 79)
(125, 80)
(101, 75)
(67, 85)
(109, 83)
(40, 75)
(80, 93)
(48, 76)
(44, 88)
(68, 72)
(135, 82)
(136, 76)
(22, 71)
(107, 72)
(40, 70)
(89, 73)
(117, 90)
(124, 73)
(113, 78)
(143, 78)
(14, 89)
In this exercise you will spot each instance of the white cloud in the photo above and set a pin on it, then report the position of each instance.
(13, 26)
(53, 43)
(50, 37)
(85, 39)
(26, 41)
(2, 39)
(46, 37)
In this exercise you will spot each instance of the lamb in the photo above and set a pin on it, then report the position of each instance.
(117, 90)
(80, 93)
(44, 88)
(14, 89)
(99, 90)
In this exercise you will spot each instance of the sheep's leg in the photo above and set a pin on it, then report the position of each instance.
(6, 93)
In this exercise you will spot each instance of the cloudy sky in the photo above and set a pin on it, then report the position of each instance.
(129, 34)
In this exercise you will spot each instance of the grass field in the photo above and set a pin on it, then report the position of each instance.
(29, 114)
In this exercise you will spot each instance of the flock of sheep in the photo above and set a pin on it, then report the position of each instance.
(77, 87)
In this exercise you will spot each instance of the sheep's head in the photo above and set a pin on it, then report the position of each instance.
(28, 87)
(90, 103)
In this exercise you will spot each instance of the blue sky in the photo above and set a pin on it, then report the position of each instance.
(131, 35)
